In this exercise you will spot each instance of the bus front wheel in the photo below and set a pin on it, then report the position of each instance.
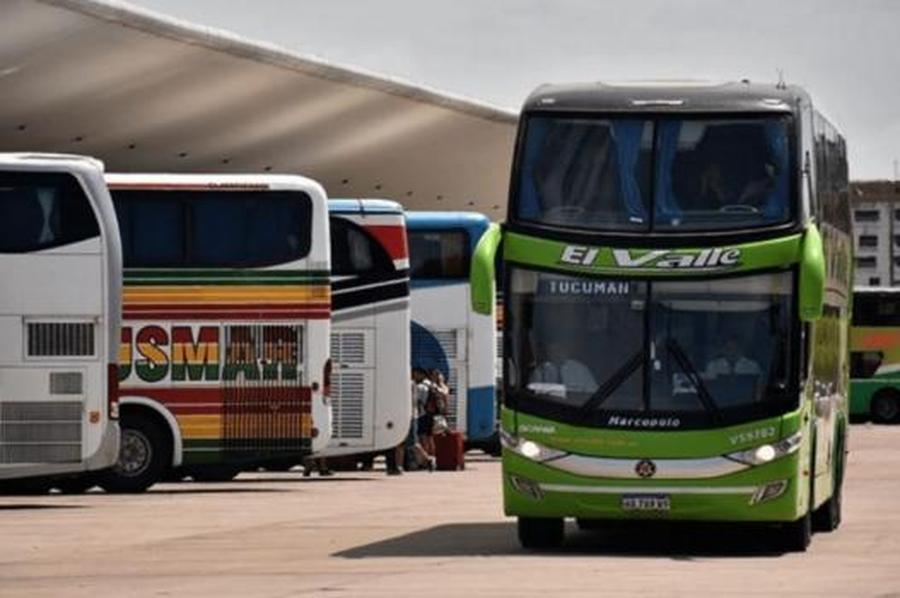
(540, 532)
(143, 457)
(798, 534)
(886, 407)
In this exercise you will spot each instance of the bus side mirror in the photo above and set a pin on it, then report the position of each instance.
(812, 276)
(482, 274)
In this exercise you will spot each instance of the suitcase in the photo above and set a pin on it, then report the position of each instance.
(449, 449)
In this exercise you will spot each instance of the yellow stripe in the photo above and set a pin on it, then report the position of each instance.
(209, 427)
(205, 294)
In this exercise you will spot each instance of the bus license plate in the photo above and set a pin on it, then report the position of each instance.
(646, 502)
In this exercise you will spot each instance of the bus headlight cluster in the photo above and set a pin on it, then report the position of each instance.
(530, 449)
(767, 453)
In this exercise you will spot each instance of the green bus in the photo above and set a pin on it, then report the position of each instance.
(676, 269)
(875, 355)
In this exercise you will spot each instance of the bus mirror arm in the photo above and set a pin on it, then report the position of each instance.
(812, 275)
(483, 273)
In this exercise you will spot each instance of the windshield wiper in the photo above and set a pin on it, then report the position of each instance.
(688, 368)
(606, 389)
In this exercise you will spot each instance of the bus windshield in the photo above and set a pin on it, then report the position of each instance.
(666, 175)
(596, 351)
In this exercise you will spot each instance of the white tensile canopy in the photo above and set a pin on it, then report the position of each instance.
(146, 93)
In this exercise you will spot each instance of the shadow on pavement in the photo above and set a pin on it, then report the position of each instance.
(675, 541)
(218, 489)
(297, 479)
(37, 506)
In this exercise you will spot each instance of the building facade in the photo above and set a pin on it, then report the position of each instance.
(876, 232)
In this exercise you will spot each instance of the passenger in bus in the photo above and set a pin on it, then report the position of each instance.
(731, 361)
(558, 368)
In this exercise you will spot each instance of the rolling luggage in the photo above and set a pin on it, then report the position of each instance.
(449, 449)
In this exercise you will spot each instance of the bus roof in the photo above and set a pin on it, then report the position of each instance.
(364, 206)
(667, 96)
(474, 223)
(217, 182)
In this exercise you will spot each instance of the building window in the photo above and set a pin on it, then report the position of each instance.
(874, 281)
(866, 261)
(896, 214)
(865, 215)
(868, 241)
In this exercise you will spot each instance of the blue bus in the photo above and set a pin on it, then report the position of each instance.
(446, 333)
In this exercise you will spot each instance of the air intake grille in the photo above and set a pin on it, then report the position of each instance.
(60, 339)
(348, 389)
(447, 340)
(348, 347)
(46, 432)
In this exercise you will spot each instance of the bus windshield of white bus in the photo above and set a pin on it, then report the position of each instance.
(43, 210)
(592, 351)
(660, 175)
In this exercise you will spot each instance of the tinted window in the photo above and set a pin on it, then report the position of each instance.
(588, 173)
(152, 231)
(722, 174)
(868, 241)
(213, 228)
(43, 210)
(438, 254)
(705, 351)
(876, 309)
(866, 261)
(702, 174)
(866, 215)
(354, 251)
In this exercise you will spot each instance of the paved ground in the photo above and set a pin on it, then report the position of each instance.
(422, 535)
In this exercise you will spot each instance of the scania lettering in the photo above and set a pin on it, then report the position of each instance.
(675, 297)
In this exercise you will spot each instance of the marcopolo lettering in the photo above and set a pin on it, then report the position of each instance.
(619, 421)
(656, 259)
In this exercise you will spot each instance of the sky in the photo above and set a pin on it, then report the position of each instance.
(845, 53)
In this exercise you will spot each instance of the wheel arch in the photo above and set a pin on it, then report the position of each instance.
(130, 402)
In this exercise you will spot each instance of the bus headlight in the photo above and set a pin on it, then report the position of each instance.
(529, 449)
(767, 453)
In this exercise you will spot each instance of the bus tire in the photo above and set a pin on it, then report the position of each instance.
(144, 457)
(537, 533)
(885, 406)
(797, 535)
(827, 517)
(215, 473)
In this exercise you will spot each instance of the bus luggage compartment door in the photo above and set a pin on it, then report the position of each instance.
(266, 405)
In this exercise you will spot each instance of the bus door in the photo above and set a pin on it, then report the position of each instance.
(266, 401)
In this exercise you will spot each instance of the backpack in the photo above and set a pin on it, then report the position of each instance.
(435, 404)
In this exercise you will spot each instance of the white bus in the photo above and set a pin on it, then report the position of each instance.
(224, 357)
(370, 348)
(446, 333)
(61, 263)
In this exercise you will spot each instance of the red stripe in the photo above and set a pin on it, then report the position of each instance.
(392, 238)
(180, 399)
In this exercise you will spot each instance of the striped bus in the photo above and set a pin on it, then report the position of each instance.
(370, 346)
(224, 356)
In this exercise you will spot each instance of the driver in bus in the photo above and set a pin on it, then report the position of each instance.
(731, 361)
(559, 368)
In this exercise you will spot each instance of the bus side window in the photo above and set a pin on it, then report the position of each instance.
(439, 254)
(43, 210)
(354, 251)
